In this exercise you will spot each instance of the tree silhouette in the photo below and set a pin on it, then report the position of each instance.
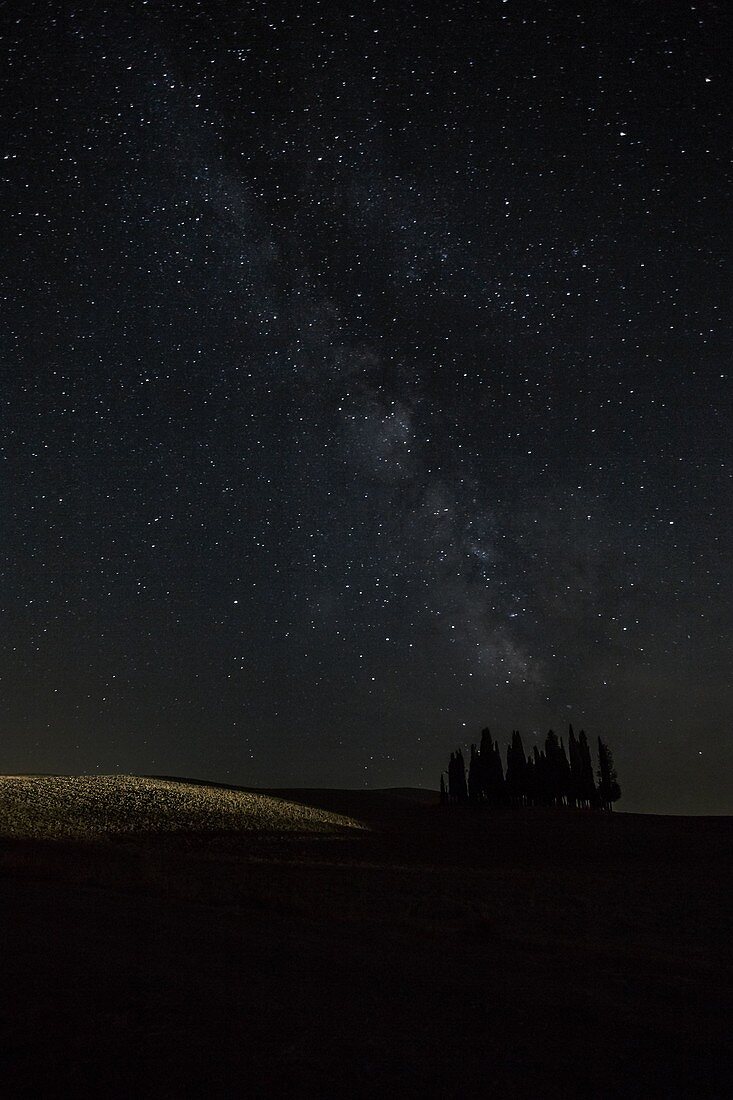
(587, 786)
(531, 779)
(443, 791)
(516, 766)
(492, 771)
(452, 780)
(609, 790)
(576, 769)
(486, 749)
(563, 765)
(457, 788)
(550, 776)
(541, 777)
(553, 781)
(474, 776)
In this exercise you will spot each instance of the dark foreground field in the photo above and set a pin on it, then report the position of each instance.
(537, 953)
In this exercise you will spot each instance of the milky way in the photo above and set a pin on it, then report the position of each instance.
(365, 383)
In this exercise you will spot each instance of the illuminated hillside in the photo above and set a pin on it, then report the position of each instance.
(86, 806)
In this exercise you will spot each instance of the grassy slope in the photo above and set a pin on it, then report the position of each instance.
(84, 806)
(538, 953)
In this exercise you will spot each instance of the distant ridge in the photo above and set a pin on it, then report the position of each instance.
(399, 791)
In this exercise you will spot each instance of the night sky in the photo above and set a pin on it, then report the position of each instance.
(365, 382)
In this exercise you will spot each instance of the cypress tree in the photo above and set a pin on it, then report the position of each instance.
(575, 764)
(544, 784)
(460, 781)
(452, 779)
(609, 790)
(530, 773)
(515, 770)
(474, 776)
(554, 768)
(587, 785)
(485, 751)
(497, 785)
(563, 765)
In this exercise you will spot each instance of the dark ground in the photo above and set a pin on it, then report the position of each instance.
(446, 953)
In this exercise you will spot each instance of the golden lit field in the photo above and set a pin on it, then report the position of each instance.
(86, 806)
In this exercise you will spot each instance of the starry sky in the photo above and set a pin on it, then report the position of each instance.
(365, 382)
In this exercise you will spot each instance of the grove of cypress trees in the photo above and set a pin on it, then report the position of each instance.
(549, 777)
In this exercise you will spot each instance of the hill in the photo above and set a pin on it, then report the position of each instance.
(87, 806)
(431, 953)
